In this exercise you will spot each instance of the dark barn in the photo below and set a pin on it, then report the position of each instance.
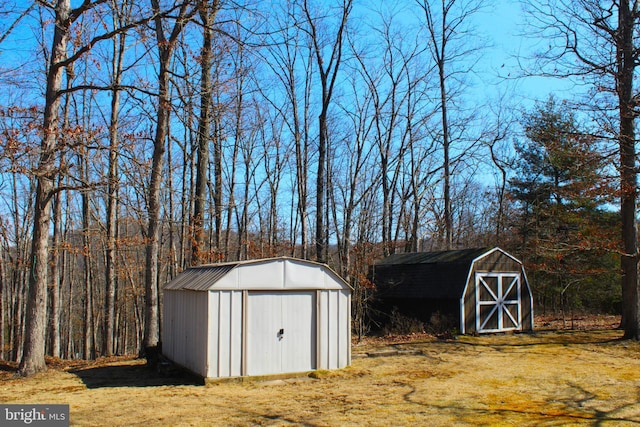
(485, 288)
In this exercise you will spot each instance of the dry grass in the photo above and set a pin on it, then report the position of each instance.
(546, 378)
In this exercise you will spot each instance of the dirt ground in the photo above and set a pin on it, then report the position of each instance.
(547, 378)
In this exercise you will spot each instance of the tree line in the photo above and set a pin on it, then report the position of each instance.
(139, 138)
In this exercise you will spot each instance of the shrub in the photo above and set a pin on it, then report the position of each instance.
(400, 324)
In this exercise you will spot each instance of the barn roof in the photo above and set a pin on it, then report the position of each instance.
(460, 256)
(204, 277)
(439, 275)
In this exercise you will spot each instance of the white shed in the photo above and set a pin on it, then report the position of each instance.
(259, 317)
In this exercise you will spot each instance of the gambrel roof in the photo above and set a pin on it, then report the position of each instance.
(465, 256)
(260, 274)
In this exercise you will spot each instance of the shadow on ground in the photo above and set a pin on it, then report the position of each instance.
(546, 337)
(137, 375)
(498, 342)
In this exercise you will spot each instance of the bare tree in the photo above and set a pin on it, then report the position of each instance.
(598, 42)
(497, 144)
(397, 91)
(34, 346)
(247, 146)
(17, 154)
(51, 146)
(290, 59)
(359, 180)
(9, 9)
(165, 45)
(117, 65)
(88, 325)
(328, 71)
(207, 12)
(447, 24)
(57, 277)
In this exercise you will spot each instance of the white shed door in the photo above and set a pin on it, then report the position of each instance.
(281, 332)
(498, 306)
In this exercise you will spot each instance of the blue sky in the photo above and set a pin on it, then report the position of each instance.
(504, 25)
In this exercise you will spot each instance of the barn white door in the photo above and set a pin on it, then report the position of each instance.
(498, 306)
(281, 332)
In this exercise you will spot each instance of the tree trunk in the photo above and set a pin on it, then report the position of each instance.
(217, 187)
(202, 164)
(321, 238)
(448, 216)
(36, 314)
(301, 177)
(628, 175)
(328, 75)
(86, 255)
(112, 202)
(152, 319)
(3, 298)
(231, 208)
(151, 304)
(35, 336)
(165, 46)
(56, 278)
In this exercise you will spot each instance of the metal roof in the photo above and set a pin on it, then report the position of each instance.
(440, 257)
(199, 278)
(202, 278)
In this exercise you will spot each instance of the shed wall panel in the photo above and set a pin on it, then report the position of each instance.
(469, 313)
(262, 275)
(229, 280)
(184, 329)
(327, 330)
(343, 340)
(527, 304)
(213, 343)
(225, 334)
(332, 281)
(297, 275)
(334, 329)
(497, 261)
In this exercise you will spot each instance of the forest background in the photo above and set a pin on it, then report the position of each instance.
(139, 138)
